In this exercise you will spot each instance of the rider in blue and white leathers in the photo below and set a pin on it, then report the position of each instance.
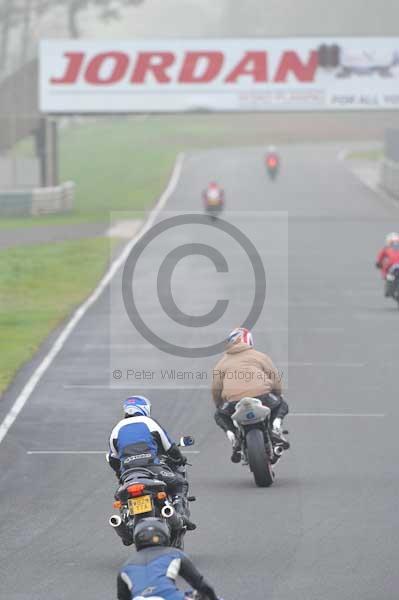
(139, 441)
(151, 572)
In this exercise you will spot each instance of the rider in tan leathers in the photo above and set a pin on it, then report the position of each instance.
(243, 372)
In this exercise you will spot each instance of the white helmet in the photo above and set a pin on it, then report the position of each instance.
(240, 334)
(392, 238)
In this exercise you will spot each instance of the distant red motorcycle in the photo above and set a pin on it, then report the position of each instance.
(213, 197)
(272, 164)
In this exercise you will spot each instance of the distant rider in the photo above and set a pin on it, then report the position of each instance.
(139, 441)
(272, 157)
(152, 571)
(241, 372)
(213, 194)
(387, 257)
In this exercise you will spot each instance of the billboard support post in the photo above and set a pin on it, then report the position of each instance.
(46, 137)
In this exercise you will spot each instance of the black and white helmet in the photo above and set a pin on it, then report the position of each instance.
(151, 532)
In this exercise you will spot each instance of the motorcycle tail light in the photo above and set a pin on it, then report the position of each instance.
(161, 496)
(272, 162)
(117, 504)
(136, 489)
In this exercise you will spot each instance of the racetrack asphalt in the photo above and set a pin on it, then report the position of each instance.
(327, 528)
(47, 234)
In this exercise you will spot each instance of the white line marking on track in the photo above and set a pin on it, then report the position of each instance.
(339, 365)
(148, 385)
(268, 331)
(82, 386)
(103, 452)
(81, 311)
(377, 316)
(351, 415)
(30, 452)
(342, 154)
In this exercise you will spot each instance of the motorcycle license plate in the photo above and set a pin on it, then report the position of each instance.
(140, 505)
(213, 201)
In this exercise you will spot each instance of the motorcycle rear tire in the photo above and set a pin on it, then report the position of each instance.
(258, 459)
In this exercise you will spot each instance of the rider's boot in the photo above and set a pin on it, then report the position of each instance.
(277, 434)
(236, 454)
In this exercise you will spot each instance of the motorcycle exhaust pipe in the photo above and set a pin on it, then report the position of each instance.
(115, 521)
(121, 529)
(278, 450)
(167, 511)
(175, 520)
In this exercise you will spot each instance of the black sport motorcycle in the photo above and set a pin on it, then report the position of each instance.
(259, 448)
(144, 495)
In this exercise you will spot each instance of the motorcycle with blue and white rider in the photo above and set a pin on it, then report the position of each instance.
(138, 441)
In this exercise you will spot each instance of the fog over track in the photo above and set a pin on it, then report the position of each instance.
(328, 526)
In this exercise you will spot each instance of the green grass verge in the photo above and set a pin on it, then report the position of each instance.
(39, 287)
(123, 163)
(371, 155)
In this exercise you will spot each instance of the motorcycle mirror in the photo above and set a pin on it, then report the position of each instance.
(186, 440)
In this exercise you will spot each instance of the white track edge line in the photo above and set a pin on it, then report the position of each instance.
(334, 415)
(83, 308)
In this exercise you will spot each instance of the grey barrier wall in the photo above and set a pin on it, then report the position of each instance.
(39, 201)
(19, 172)
(390, 177)
(392, 144)
(390, 163)
(15, 203)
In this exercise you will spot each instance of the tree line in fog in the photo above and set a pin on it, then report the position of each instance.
(18, 19)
